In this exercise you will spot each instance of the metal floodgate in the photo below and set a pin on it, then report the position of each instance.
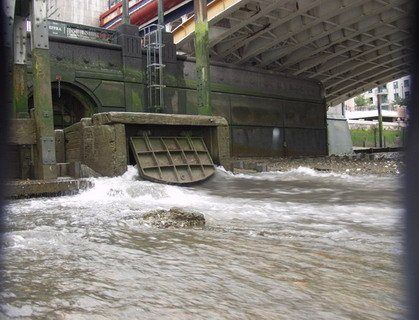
(175, 160)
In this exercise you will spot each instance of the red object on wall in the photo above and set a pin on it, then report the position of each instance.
(142, 11)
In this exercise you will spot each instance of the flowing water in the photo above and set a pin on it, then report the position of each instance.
(290, 245)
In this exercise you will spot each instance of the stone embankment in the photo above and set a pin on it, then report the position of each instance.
(388, 163)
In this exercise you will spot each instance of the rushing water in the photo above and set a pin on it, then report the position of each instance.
(292, 245)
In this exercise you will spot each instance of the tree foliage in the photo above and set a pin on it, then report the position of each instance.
(401, 101)
(361, 101)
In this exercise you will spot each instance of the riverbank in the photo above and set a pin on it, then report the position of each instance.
(386, 163)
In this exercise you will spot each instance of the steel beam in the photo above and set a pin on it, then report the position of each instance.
(339, 66)
(342, 59)
(241, 24)
(160, 9)
(258, 42)
(202, 58)
(369, 76)
(125, 12)
(362, 65)
(353, 74)
(215, 9)
(20, 84)
(370, 24)
(334, 98)
(8, 7)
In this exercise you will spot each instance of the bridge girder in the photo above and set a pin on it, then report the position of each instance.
(345, 44)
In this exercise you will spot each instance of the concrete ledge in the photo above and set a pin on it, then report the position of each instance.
(40, 188)
(157, 119)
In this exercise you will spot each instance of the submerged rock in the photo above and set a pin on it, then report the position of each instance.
(174, 218)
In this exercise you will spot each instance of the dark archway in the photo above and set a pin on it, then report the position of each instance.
(70, 104)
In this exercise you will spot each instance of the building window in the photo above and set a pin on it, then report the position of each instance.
(406, 83)
(395, 85)
(407, 94)
(396, 96)
(382, 88)
(112, 2)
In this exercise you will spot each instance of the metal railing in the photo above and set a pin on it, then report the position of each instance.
(78, 31)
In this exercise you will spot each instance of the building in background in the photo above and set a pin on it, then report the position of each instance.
(84, 12)
(393, 95)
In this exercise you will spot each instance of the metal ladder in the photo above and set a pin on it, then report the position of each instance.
(152, 41)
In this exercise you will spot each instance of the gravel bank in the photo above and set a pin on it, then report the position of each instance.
(389, 163)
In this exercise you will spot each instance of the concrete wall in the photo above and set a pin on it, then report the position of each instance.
(268, 114)
(339, 137)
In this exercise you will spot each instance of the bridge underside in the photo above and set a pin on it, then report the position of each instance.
(350, 46)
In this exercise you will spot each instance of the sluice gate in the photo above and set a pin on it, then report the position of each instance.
(178, 160)
(175, 149)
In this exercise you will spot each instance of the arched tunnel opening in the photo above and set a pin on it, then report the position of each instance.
(70, 104)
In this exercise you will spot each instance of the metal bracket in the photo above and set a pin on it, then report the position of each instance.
(20, 40)
(48, 150)
(39, 24)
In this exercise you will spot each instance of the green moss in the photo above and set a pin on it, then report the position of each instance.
(137, 105)
(135, 75)
(20, 92)
(202, 68)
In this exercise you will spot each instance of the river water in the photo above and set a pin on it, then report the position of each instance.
(290, 245)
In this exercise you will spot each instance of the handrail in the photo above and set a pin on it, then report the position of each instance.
(78, 31)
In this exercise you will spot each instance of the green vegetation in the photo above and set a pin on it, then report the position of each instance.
(400, 101)
(369, 138)
(361, 101)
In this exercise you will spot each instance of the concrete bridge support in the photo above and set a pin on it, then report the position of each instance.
(268, 114)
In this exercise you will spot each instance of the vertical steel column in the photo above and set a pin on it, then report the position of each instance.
(380, 121)
(20, 92)
(160, 36)
(202, 58)
(45, 167)
(125, 11)
(160, 9)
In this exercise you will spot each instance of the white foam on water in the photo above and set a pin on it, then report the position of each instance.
(98, 235)
(127, 195)
(295, 174)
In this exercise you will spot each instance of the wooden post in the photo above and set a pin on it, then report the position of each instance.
(202, 58)
(45, 168)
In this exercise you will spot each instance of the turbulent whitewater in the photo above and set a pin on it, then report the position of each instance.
(277, 245)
